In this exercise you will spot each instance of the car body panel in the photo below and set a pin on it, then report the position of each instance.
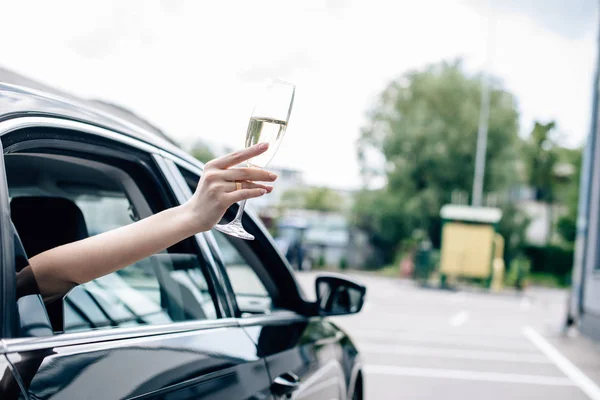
(17, 101)
(219, 363)
(306, 347)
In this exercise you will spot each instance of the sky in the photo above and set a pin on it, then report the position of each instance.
(194, 68)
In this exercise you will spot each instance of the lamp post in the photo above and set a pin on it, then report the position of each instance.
(484, 116)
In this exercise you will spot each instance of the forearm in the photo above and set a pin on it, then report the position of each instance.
(59, 269)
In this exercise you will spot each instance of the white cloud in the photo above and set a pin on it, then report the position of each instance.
(194, 67)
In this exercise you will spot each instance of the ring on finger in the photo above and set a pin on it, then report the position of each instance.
(238, 185)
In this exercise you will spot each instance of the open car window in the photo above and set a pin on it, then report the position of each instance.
(251, 284)
(56, 199)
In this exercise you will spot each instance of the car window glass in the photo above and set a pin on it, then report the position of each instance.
(166, 287)
(163, 288)
(250, 293)
(104, 213)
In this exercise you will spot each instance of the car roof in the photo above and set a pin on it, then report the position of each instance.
(19, 101)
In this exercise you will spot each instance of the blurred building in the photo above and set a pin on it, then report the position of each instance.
(328, 237)
(268, 206)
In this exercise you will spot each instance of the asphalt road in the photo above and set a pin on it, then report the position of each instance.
(431, 344)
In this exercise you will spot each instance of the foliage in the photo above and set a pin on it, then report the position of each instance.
(552, 260)
(568, 194)
(425, 127)
(512, 227)
(381, 214)
(293, 198)
(390, 271)
(518, 272)
(313, 198)
(321, 261)
(567, 226)
(322, 199)
(548, 280)
(540, 158)
(343, 264)
(202, 152)
(553, 171)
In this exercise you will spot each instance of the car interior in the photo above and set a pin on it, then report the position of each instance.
(57, 199)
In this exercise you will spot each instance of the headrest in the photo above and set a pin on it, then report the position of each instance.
(47, 222)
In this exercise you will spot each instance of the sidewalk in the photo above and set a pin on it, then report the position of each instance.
(583, 352)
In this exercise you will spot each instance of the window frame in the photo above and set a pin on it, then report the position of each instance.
(78, 137)
(289, 296)
(8, 303)
(254, 263)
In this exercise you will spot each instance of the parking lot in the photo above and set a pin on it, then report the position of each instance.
(429, 344)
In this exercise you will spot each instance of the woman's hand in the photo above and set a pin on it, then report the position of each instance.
(217, 189)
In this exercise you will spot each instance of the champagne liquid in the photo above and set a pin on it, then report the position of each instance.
(264, 130)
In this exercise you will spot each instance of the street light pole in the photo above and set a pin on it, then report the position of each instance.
(484, 116)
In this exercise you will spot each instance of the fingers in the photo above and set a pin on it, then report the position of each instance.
(247, 174)
(231, 186)
(237, 157)
(219, 180)
(244, 194)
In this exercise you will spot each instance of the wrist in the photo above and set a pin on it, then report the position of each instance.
(192, 222)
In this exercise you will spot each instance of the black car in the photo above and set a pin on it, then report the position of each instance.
(212, 317)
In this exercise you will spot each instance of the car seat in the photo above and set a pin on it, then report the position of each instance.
(43, 223)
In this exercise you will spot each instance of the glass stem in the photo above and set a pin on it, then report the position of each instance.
(240, 212)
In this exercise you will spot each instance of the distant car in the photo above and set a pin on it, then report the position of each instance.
(212, 317)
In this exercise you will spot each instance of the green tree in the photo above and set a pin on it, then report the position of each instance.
(312, 198)
(553, 172)
(202, 152)
(322, 199)
(568, 194)
(293, 198)
(424, 124)
(540, 159)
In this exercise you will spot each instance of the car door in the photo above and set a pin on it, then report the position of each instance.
(9, 385)
(303, 354)
(159, 329)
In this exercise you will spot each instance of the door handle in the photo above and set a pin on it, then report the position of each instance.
(285, 384)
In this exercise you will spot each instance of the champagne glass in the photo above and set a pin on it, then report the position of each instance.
(267, 125)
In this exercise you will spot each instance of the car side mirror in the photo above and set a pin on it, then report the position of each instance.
(338, 295)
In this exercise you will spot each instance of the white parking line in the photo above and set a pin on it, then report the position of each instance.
(467, 375)
(454, 353)
(459, 319)
(579, 378)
